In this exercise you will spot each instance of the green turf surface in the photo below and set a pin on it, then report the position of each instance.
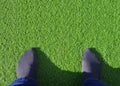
(60, 30)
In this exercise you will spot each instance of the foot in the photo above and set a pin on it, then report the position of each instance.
(90, 65)
(27, 65)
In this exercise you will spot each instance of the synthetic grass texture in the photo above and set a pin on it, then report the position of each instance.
(60, 30)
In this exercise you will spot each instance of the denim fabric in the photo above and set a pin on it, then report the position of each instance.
(92, 82)
(24, 82)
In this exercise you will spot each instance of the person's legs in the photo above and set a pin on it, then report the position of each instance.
(26, 70)
(24, 82)
(92, 82)
(91, 69)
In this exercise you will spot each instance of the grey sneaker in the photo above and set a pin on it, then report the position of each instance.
(27, 65)
(91, 67)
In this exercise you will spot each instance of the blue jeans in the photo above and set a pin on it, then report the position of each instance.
(31, 82)
(92, 82)
(24, 82)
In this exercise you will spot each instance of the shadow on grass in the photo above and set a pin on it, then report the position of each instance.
(110, 76)
(51, 75)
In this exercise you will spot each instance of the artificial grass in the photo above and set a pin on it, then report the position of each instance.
(60, 30)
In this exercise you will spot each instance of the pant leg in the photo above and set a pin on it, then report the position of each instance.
(24, 82)
(92, 82)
